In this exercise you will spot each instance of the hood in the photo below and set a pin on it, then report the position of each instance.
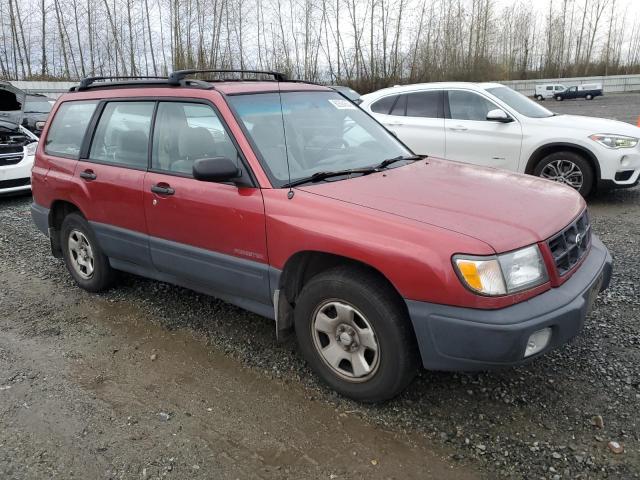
(593, 125)
(503, 209)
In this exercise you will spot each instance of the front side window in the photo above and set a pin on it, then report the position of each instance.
(68, 128)
(465, 105)
(423, 104)
(312, 132)
(186, 132)
(122, 136)
(519, 102)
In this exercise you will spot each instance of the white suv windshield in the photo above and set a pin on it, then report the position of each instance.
(520, 103)
(322, 131)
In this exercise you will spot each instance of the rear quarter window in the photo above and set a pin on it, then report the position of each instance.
(68, 128)
(384, 104)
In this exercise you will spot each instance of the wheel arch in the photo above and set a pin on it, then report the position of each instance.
(550, 148)
(58, 211)
(302, 266)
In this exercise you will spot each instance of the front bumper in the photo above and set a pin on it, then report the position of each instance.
(619, 168)
(456, 338)
(17, 177)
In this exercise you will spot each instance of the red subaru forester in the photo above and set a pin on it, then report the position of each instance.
(290, 201)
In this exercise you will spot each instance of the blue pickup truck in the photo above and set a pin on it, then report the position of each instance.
(575, 92)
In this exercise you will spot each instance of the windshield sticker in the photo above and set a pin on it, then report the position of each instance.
(342, 104)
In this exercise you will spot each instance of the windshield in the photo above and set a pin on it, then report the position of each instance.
(38, 106)
(322, 132)
(520, 103)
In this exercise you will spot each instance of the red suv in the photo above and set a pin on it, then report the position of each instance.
(288, 200)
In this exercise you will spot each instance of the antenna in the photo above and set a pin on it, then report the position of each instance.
(290, 193)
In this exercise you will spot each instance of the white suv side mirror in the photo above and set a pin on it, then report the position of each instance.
(499, 115)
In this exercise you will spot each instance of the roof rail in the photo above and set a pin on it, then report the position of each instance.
(177, 76)
(86, 82)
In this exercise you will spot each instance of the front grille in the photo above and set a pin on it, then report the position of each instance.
(571, 244)
(18, 182)
(10, 159)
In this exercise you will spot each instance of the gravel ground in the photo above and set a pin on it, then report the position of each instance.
(551, 419)
(617, 106)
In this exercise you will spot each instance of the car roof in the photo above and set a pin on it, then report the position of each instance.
(432, 86)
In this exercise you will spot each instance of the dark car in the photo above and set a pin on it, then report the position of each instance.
(573, 93)
(11, 102)
(35, 112)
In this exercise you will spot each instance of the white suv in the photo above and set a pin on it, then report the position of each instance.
(17, 149)
(490, 124)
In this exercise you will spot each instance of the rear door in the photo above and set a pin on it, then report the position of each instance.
(417, 119)
(208, 235)
(111, 175)
(422, 127)
(471, 138)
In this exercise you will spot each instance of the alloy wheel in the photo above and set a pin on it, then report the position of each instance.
(564, 171)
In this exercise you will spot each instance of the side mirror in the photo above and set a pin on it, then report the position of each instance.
(499, 115)
(217, 169)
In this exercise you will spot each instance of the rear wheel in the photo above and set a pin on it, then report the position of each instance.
(568, 168)
(355, 334)
(540, 98)
(589, 97)
(83, 257)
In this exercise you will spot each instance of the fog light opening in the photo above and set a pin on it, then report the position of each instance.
(537, 341)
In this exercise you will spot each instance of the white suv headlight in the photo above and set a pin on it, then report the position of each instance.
(30, 149)
(502, 274)
(614, 141)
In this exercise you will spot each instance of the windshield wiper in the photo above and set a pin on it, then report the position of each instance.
(319, 176)
(399, 158)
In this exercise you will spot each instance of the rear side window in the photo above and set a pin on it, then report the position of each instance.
(384, 104)
(549, 88)
(122, 136)
(400, 107)
(423, 104)
(68, 128)
(469, 106)
(186, 132)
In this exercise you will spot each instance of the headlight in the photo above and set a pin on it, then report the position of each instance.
(502, 274)
(31, 148)
(614, 141)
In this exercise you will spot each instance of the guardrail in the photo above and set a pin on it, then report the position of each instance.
(610, 84)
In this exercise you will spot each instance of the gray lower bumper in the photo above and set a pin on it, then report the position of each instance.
(455, 338)
(40, 216)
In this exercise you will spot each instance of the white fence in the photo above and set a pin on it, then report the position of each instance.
(610, 84)
(50, 89)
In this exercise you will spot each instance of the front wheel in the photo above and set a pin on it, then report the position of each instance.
(354, 333)
(567, 168)
(559, 98)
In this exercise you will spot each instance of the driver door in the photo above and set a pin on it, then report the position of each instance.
(205, 234)
(471, 138)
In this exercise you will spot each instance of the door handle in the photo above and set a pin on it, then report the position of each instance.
(88, 175)
(395, 124)
(162, 189)
(458, 128)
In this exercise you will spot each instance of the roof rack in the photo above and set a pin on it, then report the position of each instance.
(86, 82)
(177, 76)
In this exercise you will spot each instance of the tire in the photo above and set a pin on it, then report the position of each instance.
(558, 98)
(539, 98)
(83, 257)
(374, 306)
(553, 163)
(589, 97)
